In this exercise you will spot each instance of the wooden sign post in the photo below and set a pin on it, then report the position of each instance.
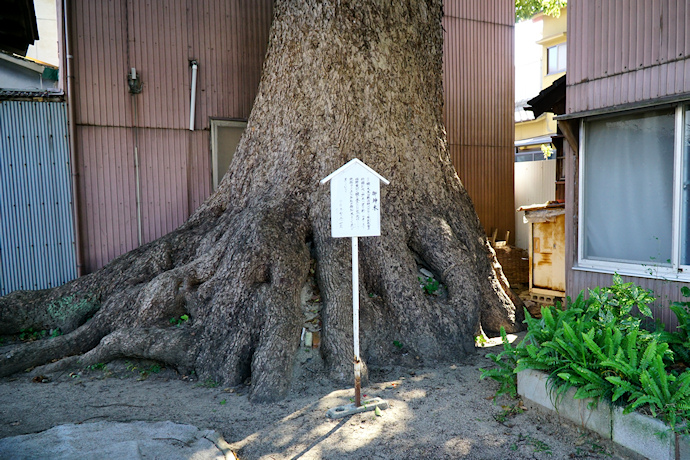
(355, 212)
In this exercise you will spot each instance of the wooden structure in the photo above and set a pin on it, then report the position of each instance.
(546, 251)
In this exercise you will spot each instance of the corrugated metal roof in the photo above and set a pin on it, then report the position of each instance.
(534, 141)
(521, 113)
(7, 94)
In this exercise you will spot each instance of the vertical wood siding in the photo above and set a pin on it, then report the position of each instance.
(478, 104)
(625, 52)
(227, 38)
(36, 225)
(622, 52)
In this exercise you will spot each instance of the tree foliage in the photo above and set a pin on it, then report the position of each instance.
(525, 9)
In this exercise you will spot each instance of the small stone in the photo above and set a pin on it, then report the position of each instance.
(426, 273)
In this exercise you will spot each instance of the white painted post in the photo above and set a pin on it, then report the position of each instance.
(355, 212)
(355, 319)
(355, 293)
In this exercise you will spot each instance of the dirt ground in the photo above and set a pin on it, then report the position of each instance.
(437, 411)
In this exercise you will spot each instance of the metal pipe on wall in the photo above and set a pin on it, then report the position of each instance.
(72, 142)
(194, 65)
(136, 169)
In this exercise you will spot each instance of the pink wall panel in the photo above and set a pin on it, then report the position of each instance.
(228, 38)
(632, 48)
(107, 194)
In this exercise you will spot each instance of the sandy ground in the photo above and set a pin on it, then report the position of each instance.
(437, 411)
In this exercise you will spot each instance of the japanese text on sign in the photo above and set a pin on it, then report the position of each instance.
(355, 209)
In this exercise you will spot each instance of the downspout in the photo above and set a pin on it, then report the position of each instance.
(72, 145)
(136, 166)
(192, 102)
(135, 86)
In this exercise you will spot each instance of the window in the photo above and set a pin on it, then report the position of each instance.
(225, 135)
(634, 193)
(685, 194)
(556, 58)
(528, 155)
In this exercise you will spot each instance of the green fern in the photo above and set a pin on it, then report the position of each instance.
(504, 373)
(598, 346)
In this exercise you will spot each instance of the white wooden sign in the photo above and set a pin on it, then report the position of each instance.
(355, 200)
(355, 212)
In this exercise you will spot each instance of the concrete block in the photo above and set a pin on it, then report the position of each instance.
(684, 447)
(641, 434)
(533, 387)
(645, 435)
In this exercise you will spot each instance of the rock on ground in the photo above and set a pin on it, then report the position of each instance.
(133, 441)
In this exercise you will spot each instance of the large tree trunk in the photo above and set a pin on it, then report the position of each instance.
(342, 79)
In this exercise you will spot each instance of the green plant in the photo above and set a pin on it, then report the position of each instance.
(179, 321)
(397, 344)
(73, 304)
(598, 346)
(480, 340)
(208, 383)
(508, 411)
(429, 285)
(504, 372)
(30, 334)
(539, 446)
(154, 368)
(98, 367)
(679, 341)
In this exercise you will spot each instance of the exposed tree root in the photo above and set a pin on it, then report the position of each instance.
(342, 79)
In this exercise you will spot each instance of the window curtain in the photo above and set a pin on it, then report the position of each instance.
(628, 188)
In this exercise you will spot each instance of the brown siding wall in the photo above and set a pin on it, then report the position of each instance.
(227, 38)
(621, 52)
(626, 51)
(479, 92)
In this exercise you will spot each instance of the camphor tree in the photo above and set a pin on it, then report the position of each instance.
(342, 79)
(525, 9)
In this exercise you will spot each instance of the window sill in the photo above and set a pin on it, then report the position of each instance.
(638, 271)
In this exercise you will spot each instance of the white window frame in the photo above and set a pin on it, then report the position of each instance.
(559, 47)
(675, 272)
(216, 123)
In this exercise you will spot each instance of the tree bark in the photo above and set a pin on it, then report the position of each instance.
(342, 79)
